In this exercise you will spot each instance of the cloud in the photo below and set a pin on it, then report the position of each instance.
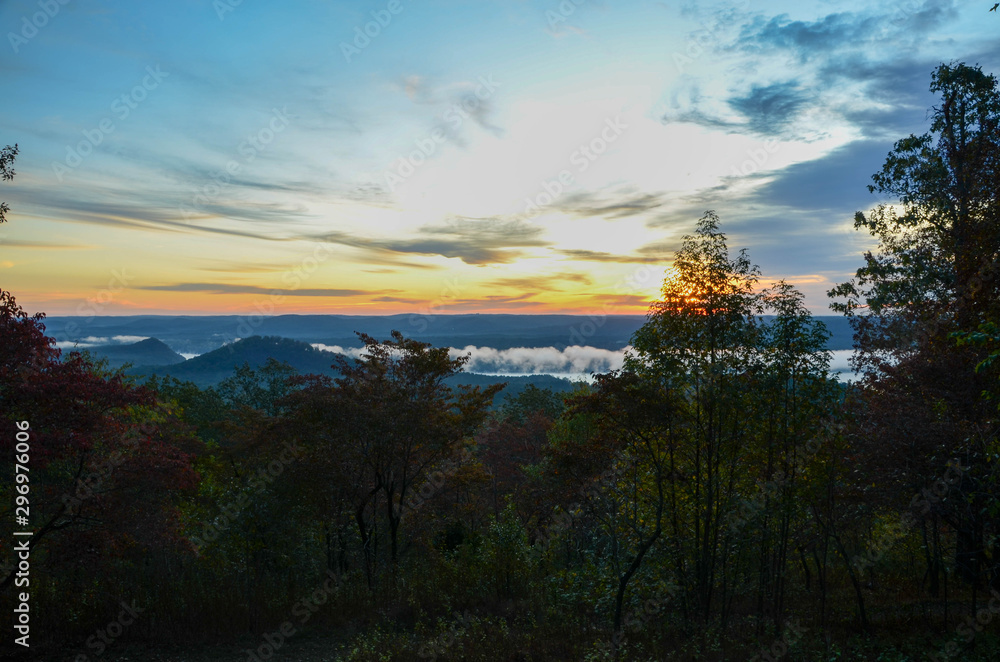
(599, 256)
(868, 69)
(17, 243)
(885, 25)
(535, 360)
(455, 103)
(520, 302)
(387, 259)
(573, 360)
(392, 299)
(808, 39)
(541, 281)
(614, 205)
(350, 352)
(416, 88)
(474, 241)
(224, 288)
(98, 341)
(151, 214)
(765, 109)
(837, 182)
(630, 300)
(129, 340)
(660, 250)
(771, 109)
(244, 267)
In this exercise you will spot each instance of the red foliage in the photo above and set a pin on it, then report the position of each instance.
(103, 473)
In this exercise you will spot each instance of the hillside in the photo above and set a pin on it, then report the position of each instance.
(151, 352)
(202, 334)
(211, 368)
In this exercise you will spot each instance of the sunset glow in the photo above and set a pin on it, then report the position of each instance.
(204, 157)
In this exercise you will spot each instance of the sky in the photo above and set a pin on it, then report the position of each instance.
(400, 156)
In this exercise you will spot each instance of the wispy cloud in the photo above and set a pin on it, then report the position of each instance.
(224, 288)
(540, 282)
(600, 256)
(474, 241)
(615, 204)
(19, 243)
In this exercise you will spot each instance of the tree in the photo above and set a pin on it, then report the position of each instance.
(795, 396)
(389, 421)
(746, 393)
(7, 155)
(935, 270)
(638, 429)
(513, 442)
(701, 339)
(932, 283)
(530, 402)
(106, 463)
(259, 389)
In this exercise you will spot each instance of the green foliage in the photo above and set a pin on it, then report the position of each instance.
(261, 389)
(532, 400)
(7, 156)
(935, 267)
(505, 555)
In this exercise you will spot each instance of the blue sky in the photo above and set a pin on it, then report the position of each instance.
(518, 156)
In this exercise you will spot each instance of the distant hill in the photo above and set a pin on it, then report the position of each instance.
(198, 335)
(842, 335)
(201, 334)
(150, 352)
(211, 368)
(514, 384)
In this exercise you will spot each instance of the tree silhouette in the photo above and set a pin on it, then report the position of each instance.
(7, 155)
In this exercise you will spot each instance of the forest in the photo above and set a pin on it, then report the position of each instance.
(721, 497)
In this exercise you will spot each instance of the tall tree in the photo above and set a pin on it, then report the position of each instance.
(637, 429)
(934, 275)
(7, 156)
(701, 339)
(936, 267)
(394, 421)
(106, 463)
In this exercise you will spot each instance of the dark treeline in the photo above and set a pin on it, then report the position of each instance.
(721, 497)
